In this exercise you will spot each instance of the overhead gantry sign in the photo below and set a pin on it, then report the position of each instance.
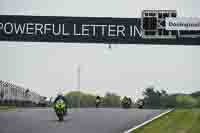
(149, 29)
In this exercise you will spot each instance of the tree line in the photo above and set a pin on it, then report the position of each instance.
(152, 99)
(161, 99)
(79, 99)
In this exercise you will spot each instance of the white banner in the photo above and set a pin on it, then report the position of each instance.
(184, 23)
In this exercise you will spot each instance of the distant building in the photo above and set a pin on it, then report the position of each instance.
(11, 94)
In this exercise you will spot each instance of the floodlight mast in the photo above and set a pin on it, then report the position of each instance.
(79, 82)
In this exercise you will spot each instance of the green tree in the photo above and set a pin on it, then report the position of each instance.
(168, 101)
(87, 100)
(73, 99)
(111, 100)
(152, 97)
(198, 101)
(196, 94)
(80, 99)
(186, 101)
(164, 93)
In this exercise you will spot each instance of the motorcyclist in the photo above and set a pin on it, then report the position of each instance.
(98, 101)
(60, 96)
(140, 103)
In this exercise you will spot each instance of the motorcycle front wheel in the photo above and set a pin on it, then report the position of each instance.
(60, 117)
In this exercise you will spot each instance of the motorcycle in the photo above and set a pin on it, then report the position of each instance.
(60, 109)
(98, 101)
(140, 104)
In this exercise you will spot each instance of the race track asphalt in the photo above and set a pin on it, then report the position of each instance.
(87, 120)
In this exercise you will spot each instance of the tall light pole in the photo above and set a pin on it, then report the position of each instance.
(79, 82)
(78, 77)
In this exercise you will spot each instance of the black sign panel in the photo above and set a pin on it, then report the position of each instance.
(80, 30)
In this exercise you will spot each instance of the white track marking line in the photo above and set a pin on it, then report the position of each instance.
(148, 121)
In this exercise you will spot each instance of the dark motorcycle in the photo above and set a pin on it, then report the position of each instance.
(98, 101)
(140, 104)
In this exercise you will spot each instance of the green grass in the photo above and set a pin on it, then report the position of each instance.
(178, 121)
(7, 108)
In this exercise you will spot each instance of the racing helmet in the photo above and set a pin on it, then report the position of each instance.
(59, 93)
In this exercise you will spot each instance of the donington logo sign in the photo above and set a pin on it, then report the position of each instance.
(183, 24)
(83, 30)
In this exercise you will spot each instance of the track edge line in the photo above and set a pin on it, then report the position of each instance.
(148, 121)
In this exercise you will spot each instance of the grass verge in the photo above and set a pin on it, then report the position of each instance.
(178, 121)
(7, 108)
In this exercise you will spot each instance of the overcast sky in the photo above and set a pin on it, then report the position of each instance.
(125, 70)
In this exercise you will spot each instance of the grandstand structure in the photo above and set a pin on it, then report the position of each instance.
(11, 94)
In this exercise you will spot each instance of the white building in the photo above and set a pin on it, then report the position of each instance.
(12, 93)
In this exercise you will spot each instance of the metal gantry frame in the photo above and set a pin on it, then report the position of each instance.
(160, 16)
